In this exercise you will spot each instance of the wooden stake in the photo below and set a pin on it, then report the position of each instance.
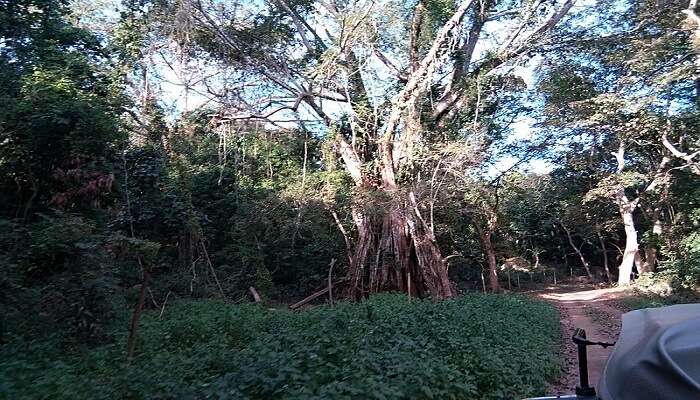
(330, 276)
(409, 285)
(256, 296)
(136, 317)
(309, 298)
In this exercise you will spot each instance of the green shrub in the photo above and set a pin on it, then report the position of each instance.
(688, 264)
(474, 347)
(57, 277)
(650, 300)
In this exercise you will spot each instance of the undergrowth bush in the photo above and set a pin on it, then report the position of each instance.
(474, 347)
(650, 300)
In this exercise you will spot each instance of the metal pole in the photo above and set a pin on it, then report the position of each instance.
(584, 389)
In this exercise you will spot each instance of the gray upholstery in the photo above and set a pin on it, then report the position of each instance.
(657, 356)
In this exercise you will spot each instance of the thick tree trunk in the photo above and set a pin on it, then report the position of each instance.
(626, 208)
(397, 251)
(631, 255)
(650, 256)
(485, 236)
(631, 246)
(650, 249)
(395, 248)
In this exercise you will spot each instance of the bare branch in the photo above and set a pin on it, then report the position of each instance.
(527, 15)
(301, 24)
(348, 245)
(688, 158)
(546, 27)
(421, 77)
(297, 23)
(463, 59)
(402, 77)
(454, 95)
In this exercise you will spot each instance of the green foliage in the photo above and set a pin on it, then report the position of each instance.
(684, 263)
(475, 347)
(57, 278)
(200, 193)
(58, 107)
(649, 300)
(563, 86)
(191, 199)
(57, 242)
(608, 186)
(134, 248)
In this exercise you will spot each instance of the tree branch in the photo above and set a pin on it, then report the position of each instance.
(416, 26)
(397, 72)
(454, 96)
(421, 77)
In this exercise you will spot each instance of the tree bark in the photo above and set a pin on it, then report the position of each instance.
(396, 250)
(416, 26)
(650, 249)
(136, 317)
(606, 263)
(487, 245)
(631, 245)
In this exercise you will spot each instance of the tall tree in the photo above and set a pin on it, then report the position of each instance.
(634, 98)
(383, 137)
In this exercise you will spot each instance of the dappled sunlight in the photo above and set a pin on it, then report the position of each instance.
(594, 310)
(589, 295)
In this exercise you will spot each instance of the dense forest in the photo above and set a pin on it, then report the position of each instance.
(166, 162)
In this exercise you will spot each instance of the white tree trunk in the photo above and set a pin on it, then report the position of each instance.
(631, 246)
(626, 208)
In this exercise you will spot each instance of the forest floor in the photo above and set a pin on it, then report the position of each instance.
(599, 312)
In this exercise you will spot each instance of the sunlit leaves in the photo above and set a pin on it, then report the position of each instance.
(608, 186)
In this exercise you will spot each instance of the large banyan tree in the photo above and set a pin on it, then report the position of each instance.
(405, 89)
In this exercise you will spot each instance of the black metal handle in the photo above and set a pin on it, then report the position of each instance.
(580, 339)
(582, 343)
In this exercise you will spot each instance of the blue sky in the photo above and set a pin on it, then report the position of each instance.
(176, 100)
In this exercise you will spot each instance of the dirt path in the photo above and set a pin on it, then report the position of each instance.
(596, 311)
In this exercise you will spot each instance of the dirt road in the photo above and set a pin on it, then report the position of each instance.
(596, 311)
